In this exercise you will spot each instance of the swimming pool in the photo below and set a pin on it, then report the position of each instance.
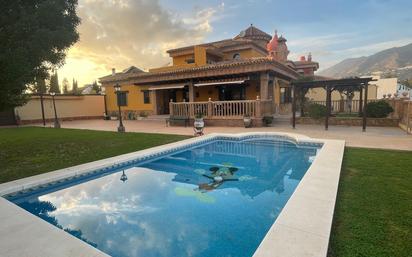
(216, 197)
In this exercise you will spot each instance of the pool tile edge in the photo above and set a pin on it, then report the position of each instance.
(53, 176)
(308, 236)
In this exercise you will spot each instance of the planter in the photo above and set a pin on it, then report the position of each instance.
(247, 121)
(199, 123)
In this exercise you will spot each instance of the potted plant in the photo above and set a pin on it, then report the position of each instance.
(267, 120)
(199, 122)
(142, 115)
(247, 120)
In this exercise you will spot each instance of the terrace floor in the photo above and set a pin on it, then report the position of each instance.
(374, 137)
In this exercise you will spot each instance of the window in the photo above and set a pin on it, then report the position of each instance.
(122, 98)
(146, 96)
(236, 56)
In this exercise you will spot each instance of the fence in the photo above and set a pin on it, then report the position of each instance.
(343, 105)
(222, 109)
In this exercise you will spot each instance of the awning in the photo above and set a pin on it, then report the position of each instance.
(169, 86)
(219, 83)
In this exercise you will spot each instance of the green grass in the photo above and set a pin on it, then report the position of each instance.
(30, 150)
(373, 215)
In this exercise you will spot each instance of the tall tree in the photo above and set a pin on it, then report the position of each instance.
(75, 87)
(96, 88)
(65, 83)
(34, 37)
(54, 83)
(39, 86)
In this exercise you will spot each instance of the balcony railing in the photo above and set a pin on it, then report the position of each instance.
(222, 109)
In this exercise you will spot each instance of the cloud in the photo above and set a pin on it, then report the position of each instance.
(121, 33)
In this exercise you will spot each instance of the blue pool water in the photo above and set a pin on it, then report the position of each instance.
(216, 199)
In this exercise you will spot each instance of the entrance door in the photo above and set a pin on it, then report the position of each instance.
(167, 96)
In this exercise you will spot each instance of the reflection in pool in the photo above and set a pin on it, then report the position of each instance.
(217, 199)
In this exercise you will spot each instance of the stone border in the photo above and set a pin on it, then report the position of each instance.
(23, 234)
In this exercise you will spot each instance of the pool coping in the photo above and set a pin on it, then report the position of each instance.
(290, 235)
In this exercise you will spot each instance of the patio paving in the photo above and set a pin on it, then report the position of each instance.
(374, 137)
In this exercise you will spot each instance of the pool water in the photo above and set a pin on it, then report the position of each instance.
(216, 199)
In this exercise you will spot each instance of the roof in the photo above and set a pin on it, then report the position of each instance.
(245, 65)
(254, 33)
(247, 36)
(132, 69)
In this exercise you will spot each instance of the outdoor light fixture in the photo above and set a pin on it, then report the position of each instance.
(56, 121)
(117, 89)
(123, 178)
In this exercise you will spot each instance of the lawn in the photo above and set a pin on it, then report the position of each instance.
(33, 150)
(373, 215)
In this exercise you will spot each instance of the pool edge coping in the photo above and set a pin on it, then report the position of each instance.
(268, 245)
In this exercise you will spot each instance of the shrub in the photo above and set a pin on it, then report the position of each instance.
(267, 120)
(378, 109)
(316, 111)
(143, 114)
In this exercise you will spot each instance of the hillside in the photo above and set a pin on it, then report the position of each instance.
(395, 61)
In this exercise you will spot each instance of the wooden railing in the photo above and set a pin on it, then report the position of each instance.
(222, 109)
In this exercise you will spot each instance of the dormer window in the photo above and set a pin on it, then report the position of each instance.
(236, 56)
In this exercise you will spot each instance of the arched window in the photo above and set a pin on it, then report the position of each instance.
(236, 56)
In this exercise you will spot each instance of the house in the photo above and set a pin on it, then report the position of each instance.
(236, 77)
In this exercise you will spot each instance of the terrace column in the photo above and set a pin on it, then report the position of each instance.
(365, 102)
(328, 103)
(264, 86)
(360, 101)
(153, 96)
(294, 106)
(191, 91)
(277, 94)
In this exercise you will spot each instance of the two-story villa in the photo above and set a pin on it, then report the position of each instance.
(231, 73)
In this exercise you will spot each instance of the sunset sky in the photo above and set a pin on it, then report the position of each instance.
(121, 33)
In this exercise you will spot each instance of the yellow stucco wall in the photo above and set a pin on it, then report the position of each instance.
(134, 98)
(244, 54)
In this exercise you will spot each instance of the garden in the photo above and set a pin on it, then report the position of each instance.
(373, 214)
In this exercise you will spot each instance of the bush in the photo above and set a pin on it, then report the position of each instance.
(316, 111)
(267, 120)
(143, 114)
(379, 109)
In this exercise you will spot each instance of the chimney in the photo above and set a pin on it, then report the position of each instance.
(113, 71)
(302, 58)
(309, 57)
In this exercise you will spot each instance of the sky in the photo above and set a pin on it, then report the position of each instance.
(121, 33)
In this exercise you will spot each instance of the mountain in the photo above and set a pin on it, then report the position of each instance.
(395, 61)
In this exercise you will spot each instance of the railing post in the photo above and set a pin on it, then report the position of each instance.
(171, 107)
(258, 107)
(209, 108)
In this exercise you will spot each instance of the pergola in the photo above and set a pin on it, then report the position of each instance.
(355, 84)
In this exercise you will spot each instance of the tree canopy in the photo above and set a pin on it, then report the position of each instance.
(34, 37)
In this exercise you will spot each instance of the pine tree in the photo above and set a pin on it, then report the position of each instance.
(96, 88)
(54, 83)
(40, 86)
(65, 86)
(75, 87)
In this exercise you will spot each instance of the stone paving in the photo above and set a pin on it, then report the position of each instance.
(374, 137)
